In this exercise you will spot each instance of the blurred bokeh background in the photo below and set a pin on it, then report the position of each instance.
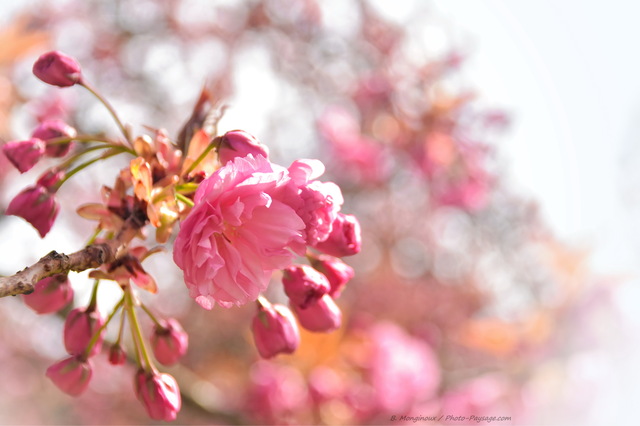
(487, 148)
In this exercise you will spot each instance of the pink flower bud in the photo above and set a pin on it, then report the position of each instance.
(79, 328)
(51, 178)
(274, 330)
(337, 272)
(36, 205)
(57, 69)
(24, 154)
(71, 375)
(159, 393)
(303, 284)
(52, 129)
(50, 294)
(169, 341)
(322, 315)
(117, 355)
(345, 239)
(238, 143)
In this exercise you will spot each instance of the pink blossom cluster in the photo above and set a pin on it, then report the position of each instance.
(386, 371)
(241, 216)
(252, 217)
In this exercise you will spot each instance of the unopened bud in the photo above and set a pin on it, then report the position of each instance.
(322, 315)
(274, 330)
(57, 69)
(24, 154)
(238, 143)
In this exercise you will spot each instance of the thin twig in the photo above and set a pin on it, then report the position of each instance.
(54, 263)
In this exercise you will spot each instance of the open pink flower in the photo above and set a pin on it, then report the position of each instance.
(317, 203)
(239, 231)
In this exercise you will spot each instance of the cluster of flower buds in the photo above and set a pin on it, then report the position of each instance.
(240, 216)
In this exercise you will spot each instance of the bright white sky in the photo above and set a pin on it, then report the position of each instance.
(569, 72)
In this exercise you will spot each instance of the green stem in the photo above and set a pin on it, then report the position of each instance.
(97, 334)
(113, 152)
(136, 331)
(214, 144)
(153, 317)
(187, 188)
(121, 328)
(110, 108)
(81, 139)
(94, 236)
(94, 297)
(185, 200)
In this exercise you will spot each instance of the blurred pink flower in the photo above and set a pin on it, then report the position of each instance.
(320, 315)
(51, 129)
(276, 392)
(359, 157)
(403, 370)
(159, 393)
(303, 284)
(479, 396)
(50, 294)
(24, 154)
(238, 143)
(79, 327)
(337, 272)
(238, 232)
(57, 69)
(71, 375)
(169, 341)
(345, 238)
(274, 330)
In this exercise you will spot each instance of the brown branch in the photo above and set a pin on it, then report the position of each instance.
(92, 256)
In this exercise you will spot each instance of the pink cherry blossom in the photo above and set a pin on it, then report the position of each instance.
(274, 330)
(404, 370)
(80, 326)
(238, 143)
(317, 203)
(37, 205)
(51, 129)
(159, 393)
(169, 341)
(321, 315)
(344, 239)
(24, 154)
(50, 295)
(303, 284)
(71, 375)
(57, 69)
(239, 230)
(337, 272)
